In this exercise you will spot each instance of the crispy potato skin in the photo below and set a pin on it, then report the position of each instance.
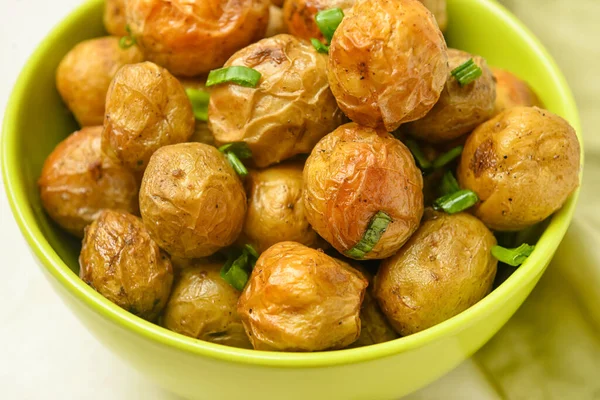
(512, 92)
(84, 75)
(191, 200)
(192, 37)
(353, 173)
(388, 63)
(120, 261)
(204, 306)
(114, 17)
(459, 109)
(300, 299)
(299, 15)
(276, 23)
(146, 108)
(78, 181)
(523, 164)
(201, 132)
(289, 111)
(445, 268)
(438, 8)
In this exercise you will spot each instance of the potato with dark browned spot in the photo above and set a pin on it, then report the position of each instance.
(512, 92)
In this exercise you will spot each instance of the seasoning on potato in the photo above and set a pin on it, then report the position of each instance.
(300, 299)
(114, 17)
(120, 261)
(299, 15)
(512, 92)
(77, 182)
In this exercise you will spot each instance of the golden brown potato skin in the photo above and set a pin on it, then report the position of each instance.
(192, 37)
(523, 164)
(114, 17)
(299, 15)
(201, 132)
(512, 92)
(191, 200)
(120, 261)
(438, 8)
(146, 108)
(445, 268)
(459, 109)
(277, 3)
(204, 306)
(353, 173)
(275, 208)
(290, 109)
(84, 75)
(372, 63)
(276, 23)
(300, 299)
(78, 181)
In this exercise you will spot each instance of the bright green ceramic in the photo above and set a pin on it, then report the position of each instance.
(36, 121)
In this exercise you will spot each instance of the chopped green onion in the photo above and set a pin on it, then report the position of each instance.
(377, 227)
(237, 165)
(199, 100)
(514, 257)
(447, 157)
(417, 153)
(328, 21)
(240, 149)
(236, 268)
(237, 74)
(449, 184)
(456, 202)
(235, 275)
(467, 72)
(251, 250)
(127, 41)
(320, 47)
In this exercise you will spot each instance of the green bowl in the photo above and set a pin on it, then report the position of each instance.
(36, 120)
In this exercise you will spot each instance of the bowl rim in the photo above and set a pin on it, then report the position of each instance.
(18, 200)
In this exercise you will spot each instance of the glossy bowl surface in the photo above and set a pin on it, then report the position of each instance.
(36, 120)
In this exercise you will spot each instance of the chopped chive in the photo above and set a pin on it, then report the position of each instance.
(417, 153)
(237, 74)
(237, 165)
(251, 250)
(235, 275)
(199, 100)
(240, 149)
(236, 269)
(514, 257)
(447, 157)
(376, 228)
(467, 72)
(328, 21)
(456, 202)
(320, 47)
(449, 184)
(127, 41)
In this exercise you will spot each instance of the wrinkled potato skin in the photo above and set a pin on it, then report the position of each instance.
(512, 92)
(388, 63)
(299, 15)
(201, 132)
(146, 108)
(444, 268)
(192, 37)
(78, 181)
(84, 75)
(459, 109)
(114, 17)
(204, 306)
(523, 164)
(276, 23)
(120, 261)
(275, 209)
(191, 200)
(353, 173)
(438, 9)
(300, 299)
(289, 111)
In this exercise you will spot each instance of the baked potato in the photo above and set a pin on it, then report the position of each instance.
(388, 63)
(122, 263)
(460, 109)
(84, 75)
(512, 92)
(299, 15)
(191, 200)
(192, 37)
(201, 132)
(290, 109)
(203, 306)
(445, 268)
(523, 164)
(276, 23)
(438, 9)
(352, 174)
(300, 299)
(114, 18)
(146, 108)
(77, 182)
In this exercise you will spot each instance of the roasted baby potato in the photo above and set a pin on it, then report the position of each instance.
(201, 132)
(114, 17)
(84, 75)
(77, 182)
(438, 8)
(204, 306)
(445, 268)
(192, 37)
(191, 200)
(523, 164)
(460, 109)
(276, 23)
(512, 92)
(290, 109)
(277, 3)
(351, 175)
(299, 15)
(120, 261)
(146, 108)
(388, 63)
(300, 299)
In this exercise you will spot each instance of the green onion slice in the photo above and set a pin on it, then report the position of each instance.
(240, 149)
(467, 72)
(320, 47)
(456, 202)
(237, 165)
(328, 21)
(377, 227)
(251, 250)
(514, 257)
(239, 75)
(447, 157)
(199, 100)
(127, 41)
(449, 184)
(417, 153)
(236, 270)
